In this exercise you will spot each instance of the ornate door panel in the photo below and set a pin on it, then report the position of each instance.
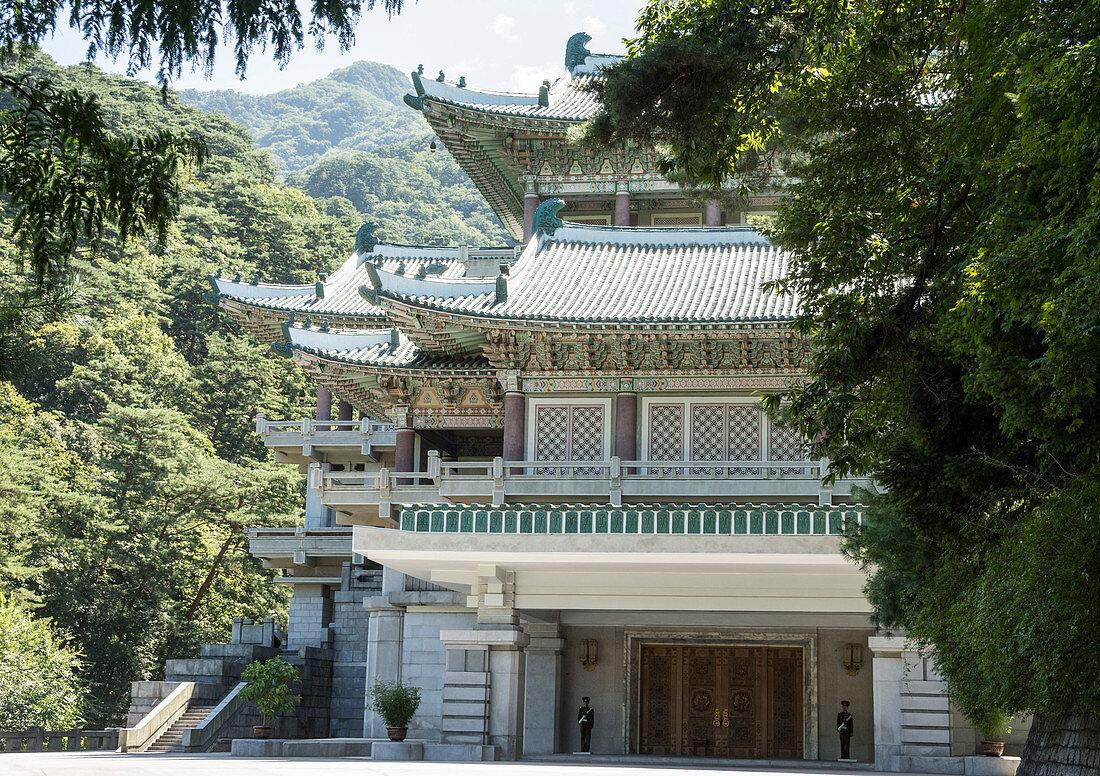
(719, 701)
(661, 691)
(745, 700)
(704, 676)
(785, 702)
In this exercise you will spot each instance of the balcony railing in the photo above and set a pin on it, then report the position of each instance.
(308, 434)
(498, 482)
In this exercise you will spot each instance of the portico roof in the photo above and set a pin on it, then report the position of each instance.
(581, 274)
(262, 307)
(380, 351)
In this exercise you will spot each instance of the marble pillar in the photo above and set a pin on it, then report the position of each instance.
(542, 688)
(384, 644)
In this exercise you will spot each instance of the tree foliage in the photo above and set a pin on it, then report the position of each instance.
(38, 682)
(128, 468)
(941, 175)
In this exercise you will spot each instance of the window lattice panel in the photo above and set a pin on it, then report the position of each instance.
(708, 435)
(666, 434)
(551, 436)
(785, 446)
(586, 438)
(745, 438)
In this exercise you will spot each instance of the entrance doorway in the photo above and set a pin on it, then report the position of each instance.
(721, 701)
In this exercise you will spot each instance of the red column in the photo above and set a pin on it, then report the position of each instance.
(622, 205)
(324, 403)
(530, 205)
(713, 213)
(626, 426)
(404, 453)
(515, 409)
(345, 414)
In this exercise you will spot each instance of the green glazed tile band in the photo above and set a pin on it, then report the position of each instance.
(600, 519)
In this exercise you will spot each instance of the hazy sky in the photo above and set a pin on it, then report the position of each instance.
(496, 44)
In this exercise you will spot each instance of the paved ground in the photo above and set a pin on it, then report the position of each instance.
(110, 764)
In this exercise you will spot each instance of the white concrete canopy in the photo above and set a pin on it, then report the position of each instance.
(635, 572)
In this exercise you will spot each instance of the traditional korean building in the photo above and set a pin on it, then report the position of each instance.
(548, 475)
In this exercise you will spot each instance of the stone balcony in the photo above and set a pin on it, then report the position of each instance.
(307, 440)
(371, 496)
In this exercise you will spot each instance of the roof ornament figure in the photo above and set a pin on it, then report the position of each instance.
(255, 281)
(440, 77)
(546, 217)
(370, 293)
(237, 278)
(462, 82)
(576, 51)
(420, 69)
(365, 239)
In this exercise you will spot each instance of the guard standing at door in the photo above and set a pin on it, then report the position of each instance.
(586, 717)
(845, 726)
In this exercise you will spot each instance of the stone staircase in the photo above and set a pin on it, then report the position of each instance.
(171, 740)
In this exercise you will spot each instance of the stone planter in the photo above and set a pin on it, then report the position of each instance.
(261, 731)
(993, 748)
(397, 733)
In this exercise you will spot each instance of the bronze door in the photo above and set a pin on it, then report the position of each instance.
(719, 701)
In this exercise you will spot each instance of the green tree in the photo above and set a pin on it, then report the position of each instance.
(38, 673)
(942, 177)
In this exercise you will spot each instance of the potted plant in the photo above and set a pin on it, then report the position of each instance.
(267, 685)
(395, 703)
(993, 726)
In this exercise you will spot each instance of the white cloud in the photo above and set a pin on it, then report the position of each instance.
(570, 8)
(528, 78)
(594, 25)
(505, 27)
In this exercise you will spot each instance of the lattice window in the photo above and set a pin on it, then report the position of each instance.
(744, 438)
(586, 438)
(666, 435)
(708, 435)
(785, 445)
(569, 433)
(679, 219)
(551, 436)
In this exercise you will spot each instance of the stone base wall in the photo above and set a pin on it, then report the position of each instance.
(350, 630)
(423, 662)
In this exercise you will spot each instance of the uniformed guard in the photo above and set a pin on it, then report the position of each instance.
(586, 717)
(845, 726)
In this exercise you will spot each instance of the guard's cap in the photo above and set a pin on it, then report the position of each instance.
(845, 703)
(585, 699)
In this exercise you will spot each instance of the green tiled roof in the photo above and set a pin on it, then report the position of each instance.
(341, 289)
(643, 519)
(628, 274)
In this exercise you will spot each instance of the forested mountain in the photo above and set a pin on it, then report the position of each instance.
(350, 135)
(357, 108)
(128, 467)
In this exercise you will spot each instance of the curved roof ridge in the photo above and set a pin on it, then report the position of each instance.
(688, 236)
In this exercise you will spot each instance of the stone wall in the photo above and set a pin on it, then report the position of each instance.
(350, 628)
(424, 661)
